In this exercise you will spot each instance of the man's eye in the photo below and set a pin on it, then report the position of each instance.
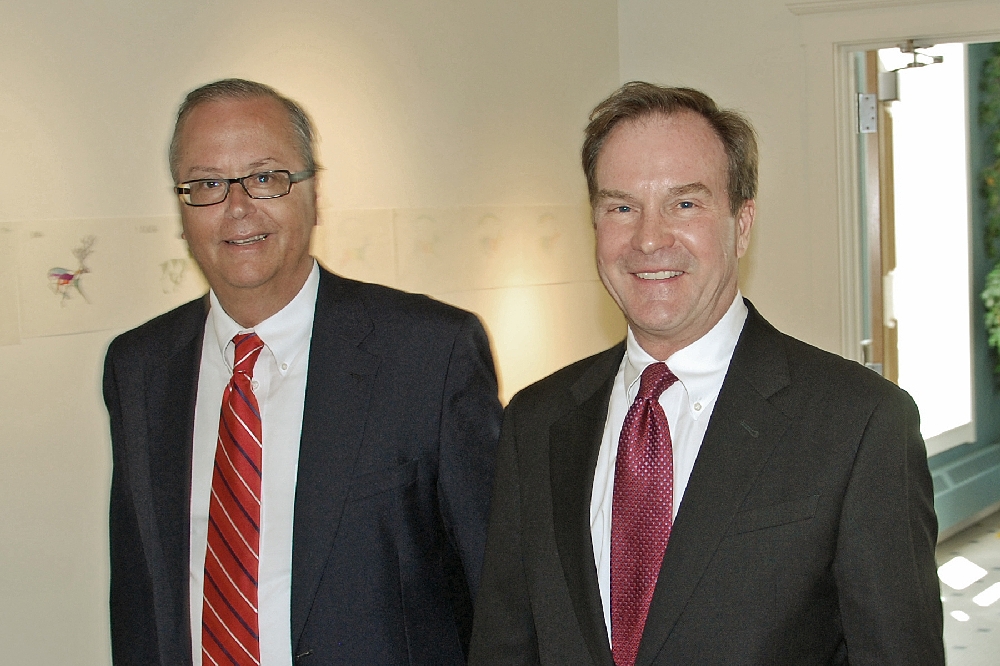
(623, 209)
(686, 204)
(210, 184)
(263, 178)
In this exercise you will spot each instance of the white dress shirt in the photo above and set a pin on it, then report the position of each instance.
(700, 369)
(279, 384)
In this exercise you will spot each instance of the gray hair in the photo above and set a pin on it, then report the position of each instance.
(241, 89)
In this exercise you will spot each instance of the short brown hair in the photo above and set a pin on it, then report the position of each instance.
(241, 89)
(637, 100)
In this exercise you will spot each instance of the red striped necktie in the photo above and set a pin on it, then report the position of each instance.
(641, 511)
(229, 629)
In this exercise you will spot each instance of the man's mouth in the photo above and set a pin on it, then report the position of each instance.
(658, 275)
(248, 241)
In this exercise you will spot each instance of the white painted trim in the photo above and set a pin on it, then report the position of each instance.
(828, 6)
(848, 203)
(950, 438)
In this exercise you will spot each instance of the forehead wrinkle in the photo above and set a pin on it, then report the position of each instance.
(679, 191)
(215, 171)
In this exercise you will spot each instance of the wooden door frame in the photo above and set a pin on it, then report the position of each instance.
(852, 263)
(880, 229)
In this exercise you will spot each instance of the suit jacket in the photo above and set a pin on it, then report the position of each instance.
(399, 431)
(806, 533)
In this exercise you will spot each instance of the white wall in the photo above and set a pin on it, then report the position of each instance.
(472, 111)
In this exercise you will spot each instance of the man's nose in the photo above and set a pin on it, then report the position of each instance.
(239, 204)
(653, 232)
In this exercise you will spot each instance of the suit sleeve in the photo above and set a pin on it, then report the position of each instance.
(133, 629)
(504, 631)
(470, 426)
(889, 596)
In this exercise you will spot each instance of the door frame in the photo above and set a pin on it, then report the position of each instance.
(850, 198)
(848, 195)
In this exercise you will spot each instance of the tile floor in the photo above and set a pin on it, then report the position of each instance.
(972, 629)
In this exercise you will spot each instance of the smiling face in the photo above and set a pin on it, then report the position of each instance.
(253, 252)
(667, 242)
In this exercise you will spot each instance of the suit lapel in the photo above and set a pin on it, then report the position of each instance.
(338, 390)
(741, 436)
(575, 441)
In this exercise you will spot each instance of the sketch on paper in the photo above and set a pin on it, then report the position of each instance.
(172, 274)
(548, 234)
(358, 244)
(62, 280)
(430, 240)
(357, 253)
(490, 233)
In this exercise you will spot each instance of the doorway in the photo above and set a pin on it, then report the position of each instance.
(913, 182)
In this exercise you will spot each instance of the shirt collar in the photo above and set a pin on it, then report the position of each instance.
(285, 333)
(701, 366)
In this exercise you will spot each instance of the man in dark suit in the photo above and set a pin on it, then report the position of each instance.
(336, 512)
(752, 500)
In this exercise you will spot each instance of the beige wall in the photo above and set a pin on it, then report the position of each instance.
(449, 133)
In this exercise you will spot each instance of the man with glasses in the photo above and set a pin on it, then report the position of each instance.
(302, 462)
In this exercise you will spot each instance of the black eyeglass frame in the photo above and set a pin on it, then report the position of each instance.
(184, 188)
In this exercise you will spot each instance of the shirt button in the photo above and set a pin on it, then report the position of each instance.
(697, 406)
(284, 366)
(255, 384)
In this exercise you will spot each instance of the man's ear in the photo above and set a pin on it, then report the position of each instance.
(315, 188)
(744, 223)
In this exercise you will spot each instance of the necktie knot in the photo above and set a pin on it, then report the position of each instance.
(656, 379)
(248, 346)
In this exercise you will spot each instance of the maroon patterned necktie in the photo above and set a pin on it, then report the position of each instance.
(229, 630)
(641, 513)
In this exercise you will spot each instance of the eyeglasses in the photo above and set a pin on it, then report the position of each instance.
(262, 185)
